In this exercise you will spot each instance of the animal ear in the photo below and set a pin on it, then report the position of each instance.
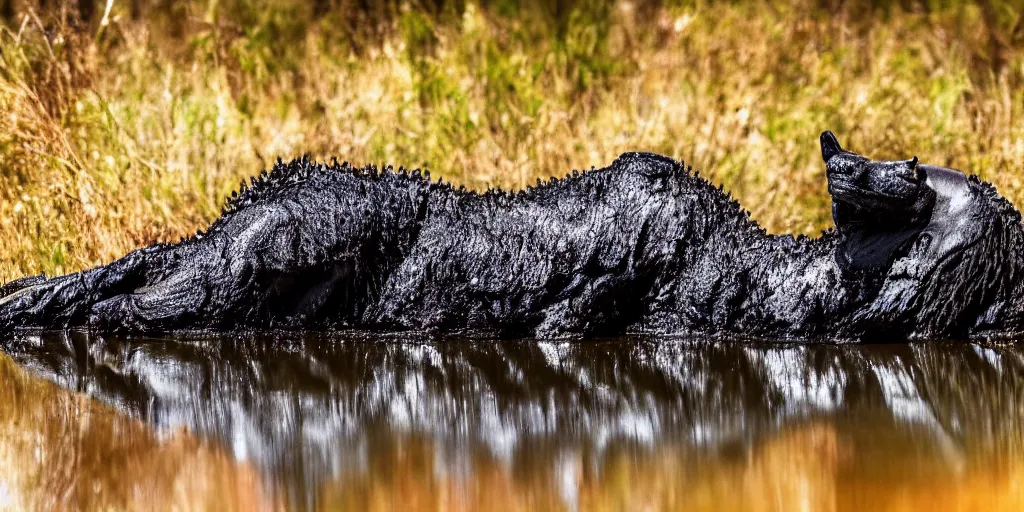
(829, 145)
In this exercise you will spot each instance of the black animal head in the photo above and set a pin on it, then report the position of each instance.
(877, 206)
(871, 188)
(944, 246)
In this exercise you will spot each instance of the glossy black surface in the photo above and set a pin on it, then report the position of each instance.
(310, 409)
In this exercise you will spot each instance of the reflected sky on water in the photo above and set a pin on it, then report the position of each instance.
(335, 418)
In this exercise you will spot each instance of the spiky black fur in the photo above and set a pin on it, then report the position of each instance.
(642, 245)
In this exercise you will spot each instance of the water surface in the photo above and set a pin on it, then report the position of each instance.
(350, 421)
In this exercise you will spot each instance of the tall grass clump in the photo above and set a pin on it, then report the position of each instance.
(127, 122)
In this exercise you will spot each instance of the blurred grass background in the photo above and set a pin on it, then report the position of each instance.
(126, 122)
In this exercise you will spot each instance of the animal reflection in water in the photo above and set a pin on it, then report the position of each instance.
(301, 407)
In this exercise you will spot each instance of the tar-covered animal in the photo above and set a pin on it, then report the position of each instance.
(644, 244)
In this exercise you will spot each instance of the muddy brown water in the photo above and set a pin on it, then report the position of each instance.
(357, 422)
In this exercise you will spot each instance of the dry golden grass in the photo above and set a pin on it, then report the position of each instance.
(117, 135)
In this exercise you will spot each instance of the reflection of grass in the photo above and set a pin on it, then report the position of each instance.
(803, 467)
(132, 132)
(62, 451)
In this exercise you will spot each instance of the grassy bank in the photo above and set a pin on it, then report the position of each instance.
(130, 127)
